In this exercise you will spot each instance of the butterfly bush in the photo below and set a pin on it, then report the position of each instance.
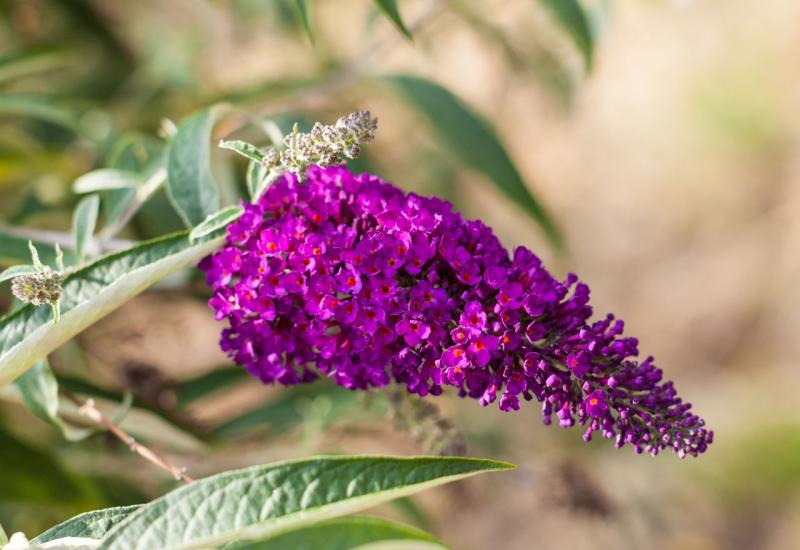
(348, 277)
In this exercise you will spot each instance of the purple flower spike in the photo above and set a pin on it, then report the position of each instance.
(349, 277)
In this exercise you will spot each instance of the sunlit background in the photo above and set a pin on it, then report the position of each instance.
(671, 168)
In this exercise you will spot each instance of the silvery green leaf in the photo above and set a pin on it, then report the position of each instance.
(39, 391)
(104, 179)
(84, 221)
(91, 293)
(256, 174)
(263, 501)
(66, 543)
(92, 525)
(216, 221)
(16, 271)
(245, 149)
(190, 183)
(344, 534)
(37, 263)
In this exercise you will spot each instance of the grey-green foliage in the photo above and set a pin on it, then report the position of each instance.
(39, 108)
(389, 9)
(92, 525)
(190, 184)
(474, 142)
(216, 221)
(27, 335)
(303, 9)
(263, 501)
(344, 534)
(39, 390)
(571, 16)
(84, 221)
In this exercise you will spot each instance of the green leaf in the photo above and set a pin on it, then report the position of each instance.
(21, 64)
(189, 391)
(287, 410)
(3, 536)
(389, 8)
(572, 18)
(16, 271)
(304, 14)
(411, 512)
(39, 390)
(38, 107)
(344, 534)
(84, 221)
(260, 501)
(14, 249)
(174, 424)
(91, 293)
(257, 175)
(190, 184)
(104, 179)
(132, 154)
(472, 140)
(245, 149)
(93, 525)
(215, 221)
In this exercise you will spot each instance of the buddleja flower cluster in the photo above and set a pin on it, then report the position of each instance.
(346, 276)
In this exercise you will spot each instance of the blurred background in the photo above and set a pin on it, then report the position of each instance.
(661, 136)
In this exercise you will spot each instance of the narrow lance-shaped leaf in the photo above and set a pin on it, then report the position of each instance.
(93, 525)
(189, 391)
(17, 271)
(14, 248)
(247, 150)
(39, 391)
(84, 221)
(284, 412)
(90, 294)
(104, 179)
(472, 140)
(3, 536)
(140, 156)
(190, 184)
(216, 221)
(261, 501)
(38, 107)
(572, 18)
(257, 181)
(344, 534)
(304, 14)
(25, 63)
(389, 8)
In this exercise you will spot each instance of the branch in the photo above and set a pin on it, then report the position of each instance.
(89, 410)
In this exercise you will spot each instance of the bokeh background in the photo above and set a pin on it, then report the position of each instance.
(672, 169)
